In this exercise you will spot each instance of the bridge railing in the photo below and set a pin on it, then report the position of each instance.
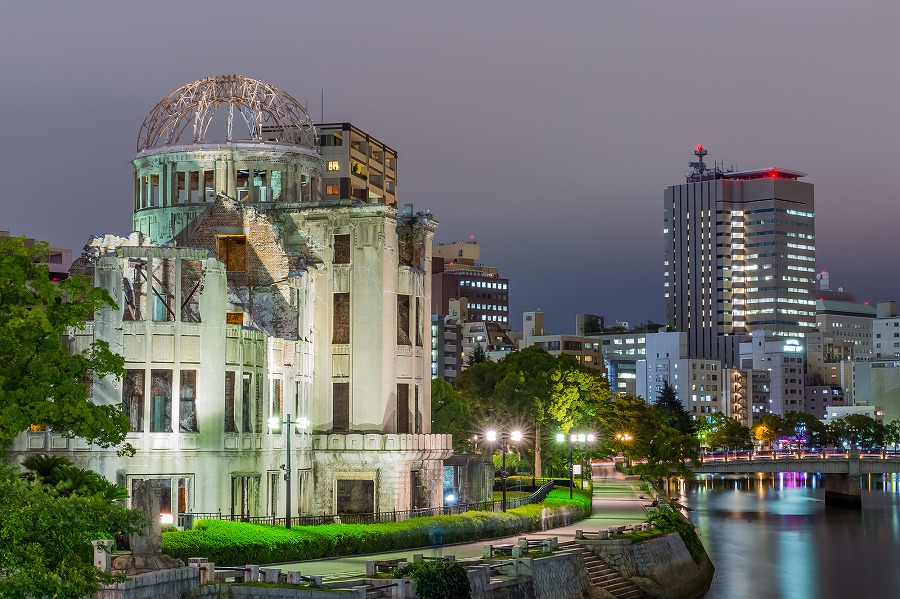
(795, 454)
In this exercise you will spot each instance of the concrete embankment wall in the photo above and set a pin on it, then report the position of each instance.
(662, 566)
(164, 584)
(558, 576)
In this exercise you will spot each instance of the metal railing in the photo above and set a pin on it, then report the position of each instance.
(786, 454)
(186, 520)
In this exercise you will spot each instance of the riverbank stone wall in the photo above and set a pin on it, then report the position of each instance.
(662, 566)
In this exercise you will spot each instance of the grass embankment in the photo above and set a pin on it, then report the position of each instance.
(238, 543)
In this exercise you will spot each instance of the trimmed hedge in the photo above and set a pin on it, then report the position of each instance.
(238, 543)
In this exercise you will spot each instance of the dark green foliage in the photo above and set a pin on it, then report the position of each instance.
(45, 539)
(550, 394)
(66, 479)
(437, 580)
(477, 356)
(669, 520)
(236, 543)
(35, 316)
(451, 414)
(672, 411)
(45, 468)
(718, 431)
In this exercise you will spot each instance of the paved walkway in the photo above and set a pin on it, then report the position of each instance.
(616, 501)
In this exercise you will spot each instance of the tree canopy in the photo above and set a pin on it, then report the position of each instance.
(45, 535)
(672, 411)
(718, 431)
(42, 382)
(533, 390)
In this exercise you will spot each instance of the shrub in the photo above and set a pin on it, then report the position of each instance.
(238, 543)
(437, 580)
(670, 520)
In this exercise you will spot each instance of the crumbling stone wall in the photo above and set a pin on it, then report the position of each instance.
(261, 289)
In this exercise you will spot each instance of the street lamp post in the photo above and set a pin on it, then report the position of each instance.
(574, 438)
(275, 422)
(624, 438)
(505, 438)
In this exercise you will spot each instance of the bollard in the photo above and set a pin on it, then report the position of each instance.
(371, 570)
(487, 552)
(518, 551)
(294, 577)
(252, 573)
(316, 581)
(579, 534)
(103, 554)
(418, 557)
(359, 592)
(269, 574)
(604, 534)
(207, 573)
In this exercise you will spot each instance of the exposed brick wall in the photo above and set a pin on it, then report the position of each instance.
(268, 262)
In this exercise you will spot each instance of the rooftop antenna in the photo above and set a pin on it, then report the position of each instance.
(698, 167)
(322, 114)
(700, 152)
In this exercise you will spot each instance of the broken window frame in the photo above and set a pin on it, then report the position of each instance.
(161, 400)
(133, 398)
(187, 405)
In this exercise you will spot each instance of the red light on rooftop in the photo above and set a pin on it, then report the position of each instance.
(866, 303)
(700, 148)
(772, 174)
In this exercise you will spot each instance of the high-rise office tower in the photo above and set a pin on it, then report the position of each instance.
(740, 256)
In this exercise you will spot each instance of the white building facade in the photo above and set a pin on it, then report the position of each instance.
(246, 294)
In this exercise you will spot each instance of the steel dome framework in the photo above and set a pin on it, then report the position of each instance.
(263, 108)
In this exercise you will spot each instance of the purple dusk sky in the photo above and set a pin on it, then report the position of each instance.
(547, 130)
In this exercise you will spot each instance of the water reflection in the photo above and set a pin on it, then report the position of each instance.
(772, 536)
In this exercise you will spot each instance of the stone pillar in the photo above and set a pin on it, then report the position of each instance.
(103, 554)
(843, 490)
(145, 498)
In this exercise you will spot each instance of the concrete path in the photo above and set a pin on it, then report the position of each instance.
(616, 502)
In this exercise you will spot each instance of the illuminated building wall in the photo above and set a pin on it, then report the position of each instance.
(739, 256)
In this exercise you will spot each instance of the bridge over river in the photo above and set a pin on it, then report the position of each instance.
(840, 469)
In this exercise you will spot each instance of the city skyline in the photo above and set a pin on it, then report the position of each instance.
(550, 137)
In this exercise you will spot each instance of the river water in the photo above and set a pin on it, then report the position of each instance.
(772, 536)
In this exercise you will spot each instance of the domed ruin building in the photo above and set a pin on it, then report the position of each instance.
(248, 291)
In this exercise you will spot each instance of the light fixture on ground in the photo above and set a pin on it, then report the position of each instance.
(505, 438)
(274, 423)
(575, 439)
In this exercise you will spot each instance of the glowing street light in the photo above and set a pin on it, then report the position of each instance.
(574, 439)
(624, 438)
(274, 423)
(493, 436)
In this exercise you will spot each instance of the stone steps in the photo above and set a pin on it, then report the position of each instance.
(604, 577)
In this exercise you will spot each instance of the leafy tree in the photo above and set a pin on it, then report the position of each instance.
(631, 415)
(42, 382)
(45, 539)
(768, 429)
(477, 356)
(858, 431)
(805, 429)
(892, 433)
(719, 431)
(672, 411)
(535, 388)
(451, 413)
